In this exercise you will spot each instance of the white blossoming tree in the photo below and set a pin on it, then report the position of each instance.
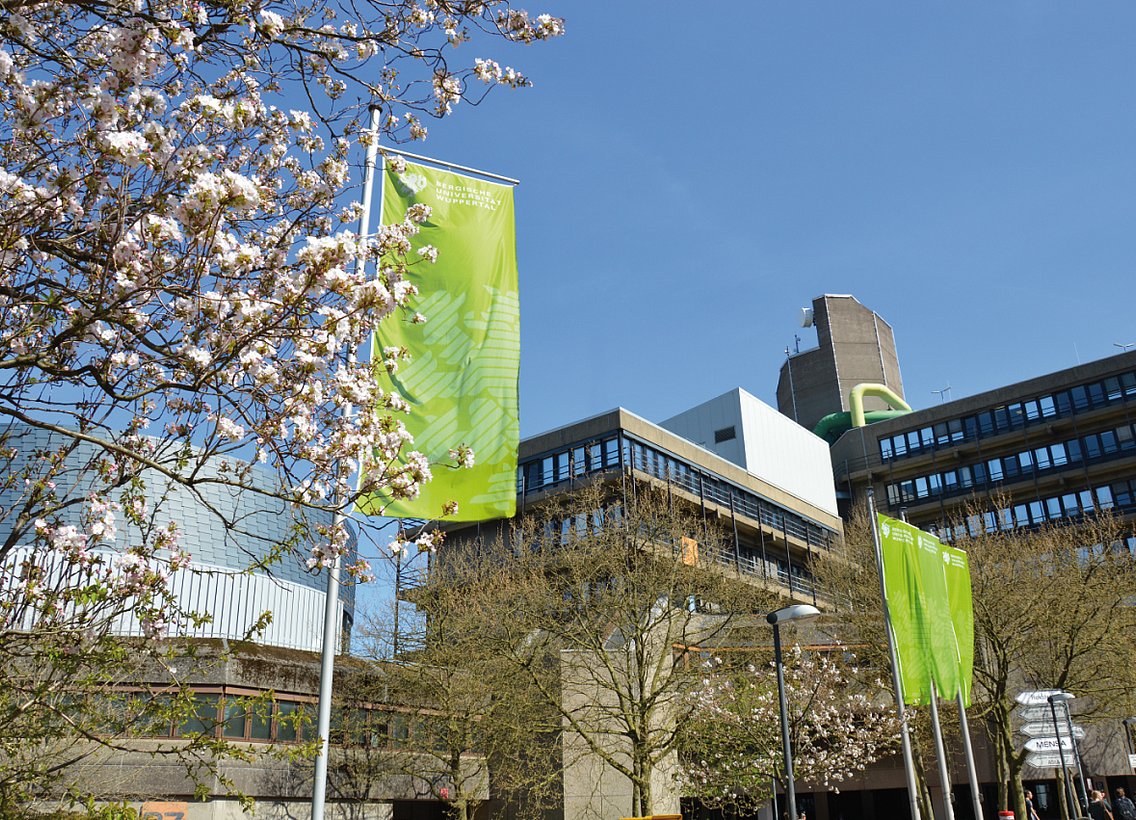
(731, 745)
(180, 297)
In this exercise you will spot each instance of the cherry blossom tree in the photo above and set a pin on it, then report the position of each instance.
(731, 745)
(183, 296)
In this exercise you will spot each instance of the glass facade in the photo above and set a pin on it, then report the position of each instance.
(1118, 442)
(620, 449)
(1008, 417)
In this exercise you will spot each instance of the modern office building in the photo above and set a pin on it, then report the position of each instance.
(854, 346)
(767, 480)
(1041, 450)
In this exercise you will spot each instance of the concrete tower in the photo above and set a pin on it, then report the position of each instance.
(855, 346)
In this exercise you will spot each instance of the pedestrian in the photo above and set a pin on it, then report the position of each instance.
(1031, 811)
(1122, 807)
(1099, 808)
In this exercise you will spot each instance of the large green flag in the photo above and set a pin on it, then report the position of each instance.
(962, 613)
(916, 588)
(461, 379)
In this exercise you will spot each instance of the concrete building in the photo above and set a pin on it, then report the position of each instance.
(855, 346)
(764, 480)
(1041, 450)
(779, 516)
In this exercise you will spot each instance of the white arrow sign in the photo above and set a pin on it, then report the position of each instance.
(1035, 713)
(1046, 730)
(1045, 760)
(1049, 744)
(1038, 697)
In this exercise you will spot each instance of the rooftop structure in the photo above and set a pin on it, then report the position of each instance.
(855, 346)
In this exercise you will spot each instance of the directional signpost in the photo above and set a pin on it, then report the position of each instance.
(1044, 760)
(1045, 751)
(1037, 698)
(1049, 744)
(1033, 714)
(1040, 729)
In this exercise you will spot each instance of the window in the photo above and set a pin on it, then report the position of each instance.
(725, 434)
(1096, 394)
(1104, 497)
(885, 449)
(1041, 458)
(1108, 442)
(203, 715)
(995, 467)
(1048, 408)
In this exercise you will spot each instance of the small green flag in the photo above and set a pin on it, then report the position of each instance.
(962, 613)
(461, 379)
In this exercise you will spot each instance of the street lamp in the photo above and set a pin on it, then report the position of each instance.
(1063, 698)
(796, 612)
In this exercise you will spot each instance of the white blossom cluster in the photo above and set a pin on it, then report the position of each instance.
(732, 744)
(179, 282)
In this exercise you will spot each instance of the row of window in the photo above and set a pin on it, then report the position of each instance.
(624, 451)
(1023, 464)
(252, 717)
(1119, 495)
(749, 561)
(1007, 417)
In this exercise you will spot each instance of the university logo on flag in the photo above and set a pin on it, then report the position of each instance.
(461, 379)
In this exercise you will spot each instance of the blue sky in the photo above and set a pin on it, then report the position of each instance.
(693, 174)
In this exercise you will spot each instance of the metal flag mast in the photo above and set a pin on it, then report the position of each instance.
(331, 626)
(897, 681)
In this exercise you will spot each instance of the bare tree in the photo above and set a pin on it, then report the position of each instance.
(607, 610)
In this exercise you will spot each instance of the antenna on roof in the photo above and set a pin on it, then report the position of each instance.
(944, 394)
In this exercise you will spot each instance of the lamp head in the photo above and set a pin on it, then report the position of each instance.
(796, 612)
(1061, 697)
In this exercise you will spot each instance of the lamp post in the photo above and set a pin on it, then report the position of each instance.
(796, 612)
(1063, 698)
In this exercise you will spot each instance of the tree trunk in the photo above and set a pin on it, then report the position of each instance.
(1062, 795)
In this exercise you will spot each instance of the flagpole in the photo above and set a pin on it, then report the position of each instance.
(971, 769)
(940, 751)
(332, 629)
(937, 733)
(897, 681)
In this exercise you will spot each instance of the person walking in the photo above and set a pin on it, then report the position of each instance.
(1099, 808)
(1123, 807)
(1031, 811)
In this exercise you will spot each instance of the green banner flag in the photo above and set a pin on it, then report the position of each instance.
(962, 613)
(916, 588)
(461, 379)
(900, 589)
